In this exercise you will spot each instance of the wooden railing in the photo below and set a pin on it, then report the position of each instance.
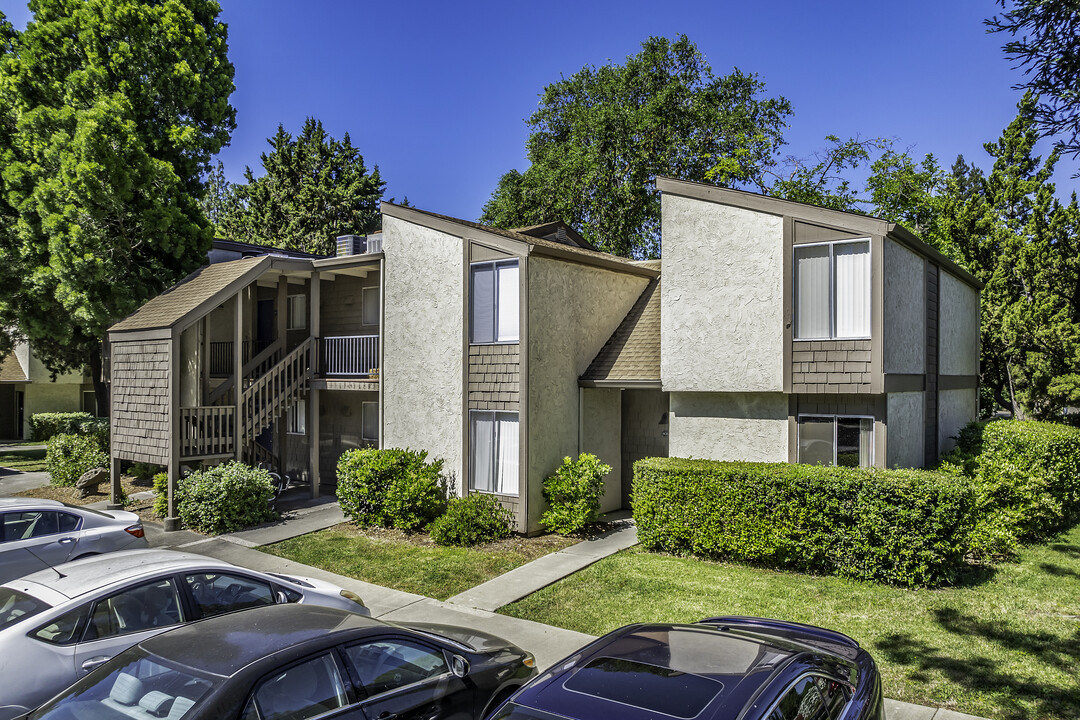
(207, 431)
(253, 368)
(221, 355)
(349, 355)
(272, 394)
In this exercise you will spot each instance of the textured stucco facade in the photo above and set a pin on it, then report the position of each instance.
(959, 327)
(904, 342)
(423, 335)
(601, 415)
(573, 309)
(956, 408)
(904, 446)
(729, 426)
(722, 299)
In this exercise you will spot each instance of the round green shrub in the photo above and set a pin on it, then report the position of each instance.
(391, 488)
(573, 494)
(69, 456)
(472, 520)
(225, 498)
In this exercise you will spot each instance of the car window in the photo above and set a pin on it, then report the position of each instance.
(68, 522)
(16, 606)
(26, 525)
(217, 593)
(143, 607)
(63, 630)
(302, 691)
(387, 664)
(811, 698)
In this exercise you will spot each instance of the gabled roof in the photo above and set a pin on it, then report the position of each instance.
(631, 356)
(557, 231)
(202, 286)
(11, 370)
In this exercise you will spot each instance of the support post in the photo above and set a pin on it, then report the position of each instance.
(313, 440)
(315, 329)
(238, 374)
(114, 485)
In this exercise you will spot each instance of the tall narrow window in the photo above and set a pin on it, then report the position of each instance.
(494, 444)
(370, 422)
(836, 440)
(370, 299)
(494, 305)
(296, 418)
(832, 290)
(297, 312)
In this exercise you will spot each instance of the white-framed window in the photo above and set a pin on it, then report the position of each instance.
(844, 440)
(296, 418)
(369, 298)
(369, 421)
(494, 302)
(832, 290)
(493, 438)
(296, 319)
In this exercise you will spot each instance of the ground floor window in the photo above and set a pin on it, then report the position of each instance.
(370, 422)
(836, 440)
(494, 441)
(297, 418)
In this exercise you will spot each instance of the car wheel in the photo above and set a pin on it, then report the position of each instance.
(498, 700)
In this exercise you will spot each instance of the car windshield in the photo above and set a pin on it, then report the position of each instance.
(133, 684)
(16, 606)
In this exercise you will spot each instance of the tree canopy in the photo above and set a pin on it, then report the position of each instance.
(601, 136)
(110, 112)
(313, 188)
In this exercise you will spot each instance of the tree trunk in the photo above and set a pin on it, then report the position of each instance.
(101, 388)
(1017, 411)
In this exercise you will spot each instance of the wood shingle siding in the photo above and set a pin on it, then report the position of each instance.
(494, 378)
(140, 400)
(830, 366)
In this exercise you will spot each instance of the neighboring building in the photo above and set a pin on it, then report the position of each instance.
(27, 387)
(779, 332)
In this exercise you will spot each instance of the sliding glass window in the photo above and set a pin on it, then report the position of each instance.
(847, 441)
(832, 290)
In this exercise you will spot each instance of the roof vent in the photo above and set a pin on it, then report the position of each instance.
(358, 244)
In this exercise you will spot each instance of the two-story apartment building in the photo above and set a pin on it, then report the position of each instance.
(27, 387)
(770, 330)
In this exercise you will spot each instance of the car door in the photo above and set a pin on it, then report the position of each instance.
(408, 679)
(126, 617)
(33, 540)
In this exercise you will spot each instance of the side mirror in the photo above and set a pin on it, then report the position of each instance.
(459, 666)
(281, 598)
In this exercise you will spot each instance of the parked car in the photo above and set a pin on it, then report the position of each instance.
(722, 667)
(35, 534)
(295, 662)
(57, 625)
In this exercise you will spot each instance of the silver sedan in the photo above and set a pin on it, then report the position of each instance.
(57, 625)
(36, 534)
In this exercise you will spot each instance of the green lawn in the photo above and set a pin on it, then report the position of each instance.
(412, 565)
(1005, 644)
(23, 460)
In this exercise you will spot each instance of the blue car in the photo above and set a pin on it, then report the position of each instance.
(719, 668)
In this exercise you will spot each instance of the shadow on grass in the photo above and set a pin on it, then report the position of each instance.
(1072, 551)
(1058, 571)
(1016, 696)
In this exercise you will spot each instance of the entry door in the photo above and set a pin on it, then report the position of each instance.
(20, 398)
(644, 432)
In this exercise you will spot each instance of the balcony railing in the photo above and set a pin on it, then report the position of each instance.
(349, 356)
(207, 431)
(221, 355)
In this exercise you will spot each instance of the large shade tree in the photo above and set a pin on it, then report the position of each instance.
(110, 112)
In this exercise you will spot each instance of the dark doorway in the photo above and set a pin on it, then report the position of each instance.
(644, 431)
(264, 323)
(20, 406)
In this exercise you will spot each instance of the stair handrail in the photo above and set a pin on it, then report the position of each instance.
(290, 375)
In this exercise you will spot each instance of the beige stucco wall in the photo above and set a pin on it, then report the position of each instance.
(959, 327)
(906, 437)
(729, 426)
(573, 309)
(722, 299)
(38, 373)
(601, 420)
(904, 310)
(423, 336)
(50, 397)
(956, 408)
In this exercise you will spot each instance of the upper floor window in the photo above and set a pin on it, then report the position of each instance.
(297, 313)
(832, 290)
(369, 299)
(493, 302)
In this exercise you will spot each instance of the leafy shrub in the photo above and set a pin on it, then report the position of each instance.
(1027, 475)
(143, 471)
(903, 527)
(225, 498)
(573, 494)
(161, 495)
(69, 456)
(391, 488)
(45, 425)
(472, 520)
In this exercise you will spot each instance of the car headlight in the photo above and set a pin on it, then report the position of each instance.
(350, 595)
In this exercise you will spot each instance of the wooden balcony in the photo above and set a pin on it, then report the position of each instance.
(349, 356)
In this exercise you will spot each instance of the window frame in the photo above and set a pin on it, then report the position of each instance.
(363, 436)
(90, 609)
(775, 706)
(495, 313)
(494, 450)
(296, 418)
(364, 302)
(835, 418)
(292, 323)
(832, 289)
(362, 690)
(344, 673)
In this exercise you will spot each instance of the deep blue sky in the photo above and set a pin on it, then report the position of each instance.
(436, 93)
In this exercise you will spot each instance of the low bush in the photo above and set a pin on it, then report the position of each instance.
(472, 520)
(1027, 475)
(161, 494)
(143, 471)
(903, 527)
(225, 498)
(391, 488)
(68, 456)
(45, 425)
(573, 494)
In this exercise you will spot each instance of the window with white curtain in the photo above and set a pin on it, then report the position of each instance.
(494, 452)
(847, 441)
(832, 290)
(494, 304)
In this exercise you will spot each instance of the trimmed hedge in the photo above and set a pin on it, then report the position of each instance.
(45, 425)
(67, 457)
(391, 488)
(903, 527)
(225, 498)
(1027, 474)
(472, 520)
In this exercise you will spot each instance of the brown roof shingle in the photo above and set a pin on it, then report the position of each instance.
(11, 370)
(632, 353)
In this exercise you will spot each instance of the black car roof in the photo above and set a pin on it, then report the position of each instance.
(225, 644)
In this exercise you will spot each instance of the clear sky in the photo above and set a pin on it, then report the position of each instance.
(436, 93)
